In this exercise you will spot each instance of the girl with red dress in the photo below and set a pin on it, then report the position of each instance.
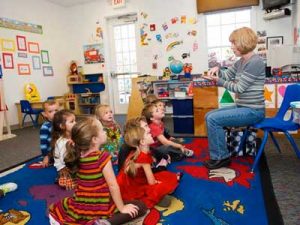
(136, 179)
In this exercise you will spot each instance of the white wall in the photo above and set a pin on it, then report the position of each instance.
(54, 39)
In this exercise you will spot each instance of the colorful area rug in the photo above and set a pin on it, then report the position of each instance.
(231, 196)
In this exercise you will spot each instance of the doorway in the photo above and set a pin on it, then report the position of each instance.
(122, 36)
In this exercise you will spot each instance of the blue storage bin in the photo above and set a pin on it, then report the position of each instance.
(184, 125)
(182, 107)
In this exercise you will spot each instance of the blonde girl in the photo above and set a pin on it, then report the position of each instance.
(63, 122)
(113, 131)
(97, 195)
(136, 178)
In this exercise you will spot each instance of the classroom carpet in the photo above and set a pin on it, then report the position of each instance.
(226, 196)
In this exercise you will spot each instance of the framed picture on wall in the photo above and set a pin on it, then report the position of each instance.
(45, 57)
(36, 62)
(33, 47)
(8, 61)
(47, 70)
(23, 69)
(8, 45)
(274, 41)
(21, 43)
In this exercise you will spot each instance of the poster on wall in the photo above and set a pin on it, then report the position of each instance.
(93, 53)
(269, 93)
(19, 25)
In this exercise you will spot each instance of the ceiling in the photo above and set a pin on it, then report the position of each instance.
(69, 3)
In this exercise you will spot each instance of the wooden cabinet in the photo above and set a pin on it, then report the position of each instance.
(85, 93)
(205, 100)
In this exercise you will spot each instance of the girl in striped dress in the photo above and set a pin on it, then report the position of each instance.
(97, 198)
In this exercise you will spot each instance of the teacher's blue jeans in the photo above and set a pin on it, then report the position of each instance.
(227, 117)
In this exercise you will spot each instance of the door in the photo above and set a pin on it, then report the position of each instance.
(123, 58)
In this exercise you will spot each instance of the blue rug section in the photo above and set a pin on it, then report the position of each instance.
(197, 200)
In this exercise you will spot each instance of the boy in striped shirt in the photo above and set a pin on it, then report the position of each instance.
(50, 107)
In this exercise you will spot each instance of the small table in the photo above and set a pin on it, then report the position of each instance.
(39, 105)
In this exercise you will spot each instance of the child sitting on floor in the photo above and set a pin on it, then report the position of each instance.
(161, 105)
(154, 117)
(112, 128)
(63, 123)
(136, 179)
(97, 195)
(50, 107)
(160, 160)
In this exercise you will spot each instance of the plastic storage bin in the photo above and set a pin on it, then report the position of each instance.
(296, 111)
(183, 125)
(182, 107)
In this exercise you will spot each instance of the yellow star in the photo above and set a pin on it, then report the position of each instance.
(268, 94)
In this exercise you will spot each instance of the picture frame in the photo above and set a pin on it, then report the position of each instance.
(45, 57)
(33, 47)
(8, 60)
(22, 54)
(8, 45)
(48, 70)
(23, 69)
(274, 41)
(21, 43)
(36, 62)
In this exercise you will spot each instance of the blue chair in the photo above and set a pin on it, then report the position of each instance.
(28, 110)
(278, 124)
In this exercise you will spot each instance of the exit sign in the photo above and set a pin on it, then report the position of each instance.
(118, 3)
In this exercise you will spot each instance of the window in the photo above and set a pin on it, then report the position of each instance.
(219, 26)
(125, 52)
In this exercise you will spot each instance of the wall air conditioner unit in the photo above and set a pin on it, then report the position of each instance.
(277, 14)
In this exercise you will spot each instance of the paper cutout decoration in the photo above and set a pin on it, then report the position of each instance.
(152, 27)
(144, 15)
(269, 95)
(173, 44)
(280, 93)
(225, 97)
(192, 20)
(174, 20)
(158, 38)
(165, 26)
(183, 19)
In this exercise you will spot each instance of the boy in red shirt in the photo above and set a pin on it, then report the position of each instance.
(154, 116)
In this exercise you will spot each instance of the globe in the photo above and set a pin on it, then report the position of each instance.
(176, 66)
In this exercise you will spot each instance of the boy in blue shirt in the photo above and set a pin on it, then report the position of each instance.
(50, 107)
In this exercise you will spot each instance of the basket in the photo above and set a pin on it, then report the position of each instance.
(296, 111)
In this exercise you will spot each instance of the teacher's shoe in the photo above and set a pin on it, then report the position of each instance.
(216, 164)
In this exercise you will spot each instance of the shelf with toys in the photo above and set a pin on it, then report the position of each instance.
(178, 94)
(84, 90)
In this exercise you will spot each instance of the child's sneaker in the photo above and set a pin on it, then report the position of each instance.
(8, 187)
(188, 152)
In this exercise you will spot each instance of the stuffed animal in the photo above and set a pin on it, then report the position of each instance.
(73, 68)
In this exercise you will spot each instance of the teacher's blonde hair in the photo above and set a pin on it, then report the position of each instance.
(245, 39)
